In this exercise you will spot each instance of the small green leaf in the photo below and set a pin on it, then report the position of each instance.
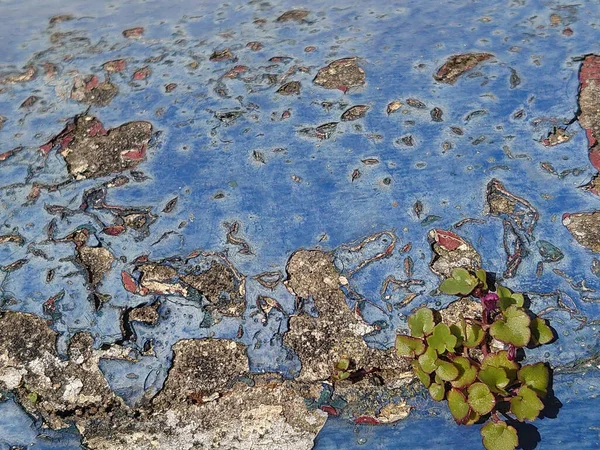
(421, 322)
(457, 333)
(462, 282)
(501, 361)
(480, 398)
(446, 370)
(499, 436)
(33, 397)
(512, 327)
(495, 378)
(536, 377)
(442, 339)
(508, 298)
(541, 333)
(475, 335)
(526, 405)
(466, 372)
(457, 403)
(428, 360)
(482, 276)
(340, 375)
(424, 377)
(409, 346)
(437, 391)
(343, 363)
(473, 418)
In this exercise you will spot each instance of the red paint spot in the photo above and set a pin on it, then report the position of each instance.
(45, 149)
(344, 89)
(117, 65)
(366, 420)
(140, 259)
(170, 87)
(310, 48)
(91, 82)
(594, 155)
(96, 129)
(133, 32)
(254, 46)
(114, 230)
(142, 74)
(135, 155)
(567, 31)
(286, 114)
(128, 282)
(329, 410)
(566, 216)
(450, 241)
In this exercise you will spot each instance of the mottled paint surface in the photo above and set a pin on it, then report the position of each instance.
(231, 149)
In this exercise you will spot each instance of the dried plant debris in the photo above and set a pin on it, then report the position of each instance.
(456, 65)
(585, 228)
(341, 74)
(91, 151)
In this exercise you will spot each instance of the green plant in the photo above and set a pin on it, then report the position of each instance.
(472, 363)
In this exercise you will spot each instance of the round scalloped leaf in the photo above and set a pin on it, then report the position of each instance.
(340, 375)
(495, 378)
(501, 361)
(499, 436)
(428, 360)
(541, 333)
(437, 391)
(409, 346)
(442, 339)
(512, 327)
(480, 398)
(462, 282)
(466, 372)
(424, 377)
(536, 377)
(457, 403)
(526, 405)
(446, 370)
(475, 335)
(421, 323)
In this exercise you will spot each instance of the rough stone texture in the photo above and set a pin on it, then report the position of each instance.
(585, 228)
(450, 251)
(145, 314)
(203, 367)
(589, 96)
(221, 286)
(456, 65)
(47, 385)
(321, 341)
(89, 90)
(267, 411)
(90, 151)
(341, 74)
(97, 262)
